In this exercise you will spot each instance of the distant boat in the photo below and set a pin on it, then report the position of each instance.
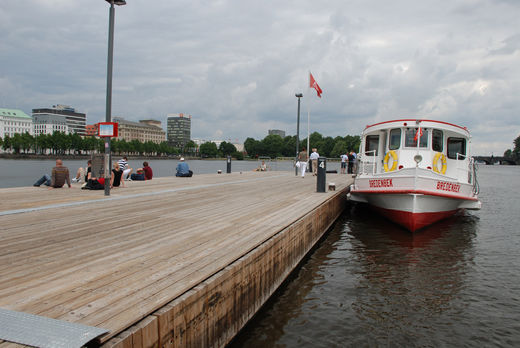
(416, 172)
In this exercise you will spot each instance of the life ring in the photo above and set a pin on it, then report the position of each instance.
(439, 155)
(394, 161)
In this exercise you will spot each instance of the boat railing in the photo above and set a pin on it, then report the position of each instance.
(472, 172)
(463, 170)
(368, 163)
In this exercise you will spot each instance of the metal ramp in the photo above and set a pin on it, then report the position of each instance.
(38, 331)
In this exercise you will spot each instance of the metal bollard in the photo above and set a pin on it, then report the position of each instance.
(322, 172)
(228, 165)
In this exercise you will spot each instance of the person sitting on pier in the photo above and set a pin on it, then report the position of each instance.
(183, 169)
(146, 171)
(123, 164)
(261, 168)
(59, 175)
(116, 178)
(80, 174)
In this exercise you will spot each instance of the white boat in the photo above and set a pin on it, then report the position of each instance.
(416, 172)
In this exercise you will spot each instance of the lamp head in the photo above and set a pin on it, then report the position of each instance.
(299, 95)
(117, 2)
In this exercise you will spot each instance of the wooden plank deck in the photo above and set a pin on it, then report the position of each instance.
(109, 262)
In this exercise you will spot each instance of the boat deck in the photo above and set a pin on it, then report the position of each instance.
(79, 256)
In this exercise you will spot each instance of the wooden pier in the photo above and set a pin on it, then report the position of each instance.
(171, 262)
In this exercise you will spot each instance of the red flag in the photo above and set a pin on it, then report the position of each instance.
(418, 134)
(314, 84)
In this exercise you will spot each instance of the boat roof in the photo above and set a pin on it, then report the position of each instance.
(414, 122)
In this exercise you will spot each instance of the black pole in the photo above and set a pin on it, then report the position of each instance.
(228, 167)
(109, 95)
(298, 95)
(322, 172)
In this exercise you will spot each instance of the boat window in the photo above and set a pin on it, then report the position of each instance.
(371, 145)
(457, 146)
(437, 140)
(395, 139)
(410, 139)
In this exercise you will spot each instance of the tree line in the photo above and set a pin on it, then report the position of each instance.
(276, 146)
(60, 143)
(514, 154)
(273, 146)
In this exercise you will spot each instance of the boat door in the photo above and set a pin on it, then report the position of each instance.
(371, 153)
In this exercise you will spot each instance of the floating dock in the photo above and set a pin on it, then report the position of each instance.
(170, 262)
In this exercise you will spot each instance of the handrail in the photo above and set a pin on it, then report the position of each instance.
(364, 162)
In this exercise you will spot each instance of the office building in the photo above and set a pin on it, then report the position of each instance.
(49, 123)
(91, 129)
(144, 130)
(75, 121)
(179, 129)
(14, 121)
(281, 133)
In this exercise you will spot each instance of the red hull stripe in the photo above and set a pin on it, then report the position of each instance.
(422, 192)
(414, 221)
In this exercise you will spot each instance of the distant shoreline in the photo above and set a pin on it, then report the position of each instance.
(32, 156)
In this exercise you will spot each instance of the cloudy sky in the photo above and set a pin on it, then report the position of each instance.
(235, 65)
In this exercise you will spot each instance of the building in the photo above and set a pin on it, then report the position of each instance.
(144, 130)
(179, 129)
(49, 123)
(281, 133)
(14, 121)
(75, 121)
(91, 129)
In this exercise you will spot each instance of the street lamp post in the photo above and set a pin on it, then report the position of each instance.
(109, 87)
(298, 95)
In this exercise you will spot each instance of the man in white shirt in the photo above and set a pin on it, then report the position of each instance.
(123, 165)
(344, 161)
(314, 158)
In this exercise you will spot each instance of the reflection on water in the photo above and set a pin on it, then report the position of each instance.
(370, 283)
(408, 285)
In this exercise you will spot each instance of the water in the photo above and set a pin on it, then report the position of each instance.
(372, 284)
(15, 173)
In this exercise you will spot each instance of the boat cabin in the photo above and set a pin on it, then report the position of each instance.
(398, 146)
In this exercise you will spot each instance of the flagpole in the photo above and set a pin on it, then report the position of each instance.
(308, 128)
(308, 119)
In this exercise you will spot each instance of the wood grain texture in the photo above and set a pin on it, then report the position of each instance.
(112, 262)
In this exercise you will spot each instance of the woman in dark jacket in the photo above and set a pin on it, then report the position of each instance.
(116, 178)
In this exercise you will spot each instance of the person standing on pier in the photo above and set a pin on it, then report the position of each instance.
(344, 161)
(59, 175)
(314, 161)
(303, 158)
(350, 162)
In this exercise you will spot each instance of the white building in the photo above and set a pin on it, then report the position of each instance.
(75, 121)
(48, 124)
(14, 121)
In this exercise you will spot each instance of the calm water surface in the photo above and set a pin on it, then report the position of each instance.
(15, 173)
(372, 284)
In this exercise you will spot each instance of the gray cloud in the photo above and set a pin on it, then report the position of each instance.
(235, 65)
